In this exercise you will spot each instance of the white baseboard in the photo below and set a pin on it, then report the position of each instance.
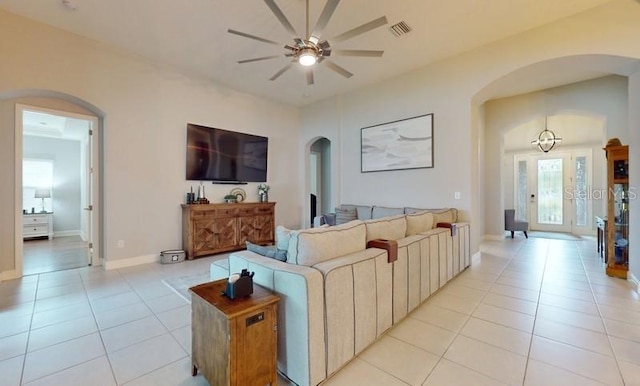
(66, 233)
(632, 278)
(493, 237)
(9, 275)
(130, 262)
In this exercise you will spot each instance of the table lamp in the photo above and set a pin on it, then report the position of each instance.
(43, 193)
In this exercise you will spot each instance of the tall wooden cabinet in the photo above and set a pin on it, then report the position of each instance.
(214, 228)
(617, 224)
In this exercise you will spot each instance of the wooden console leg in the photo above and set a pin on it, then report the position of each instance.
(194, 370)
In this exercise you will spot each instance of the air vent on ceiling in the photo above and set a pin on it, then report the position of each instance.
(400, 29)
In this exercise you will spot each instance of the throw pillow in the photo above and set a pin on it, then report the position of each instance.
(270, 251)
(442, 217)
(345, 215)
(382, 211)
(388, 228)
(283, 235)
(419, 222)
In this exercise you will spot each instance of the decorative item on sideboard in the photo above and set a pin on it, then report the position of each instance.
(199, 199)
(239, 193)
(230, 198)
(263, 192)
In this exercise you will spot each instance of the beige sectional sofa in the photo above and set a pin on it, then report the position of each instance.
(338, 296)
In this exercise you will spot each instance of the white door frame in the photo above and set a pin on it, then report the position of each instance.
(317, 175)
(93, 196)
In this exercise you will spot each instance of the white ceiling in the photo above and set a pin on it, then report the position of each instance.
(43, 124)
(191, 36)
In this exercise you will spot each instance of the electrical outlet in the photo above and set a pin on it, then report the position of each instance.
(456, 195)
(120, 243)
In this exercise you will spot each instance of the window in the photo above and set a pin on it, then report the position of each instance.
(36, 174)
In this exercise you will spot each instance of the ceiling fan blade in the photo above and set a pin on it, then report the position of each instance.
(368, 53)
(281, 17)
(324, 45)
(254, 37)
(258, 59)
(309, 77)
(338, 69)
(282, 71)
(324, 18)
(360, 30)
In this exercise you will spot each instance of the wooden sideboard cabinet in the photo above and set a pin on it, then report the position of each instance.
(234, 342)
(214, 228)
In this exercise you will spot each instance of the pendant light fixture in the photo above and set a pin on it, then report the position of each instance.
(546, 140)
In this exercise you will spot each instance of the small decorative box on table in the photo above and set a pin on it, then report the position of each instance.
(234, 342)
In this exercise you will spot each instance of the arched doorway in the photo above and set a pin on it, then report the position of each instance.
(553, 191)
(319, 177)
(13, 105)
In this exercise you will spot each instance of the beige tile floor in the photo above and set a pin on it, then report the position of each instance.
(528, 312)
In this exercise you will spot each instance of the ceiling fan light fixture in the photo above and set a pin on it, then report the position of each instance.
(307, 57)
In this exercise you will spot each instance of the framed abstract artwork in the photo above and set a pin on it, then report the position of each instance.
(397, 145)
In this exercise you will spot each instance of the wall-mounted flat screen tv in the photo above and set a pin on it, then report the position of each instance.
(225, 156)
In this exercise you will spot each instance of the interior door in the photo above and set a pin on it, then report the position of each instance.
(87, 204)
(92, 192)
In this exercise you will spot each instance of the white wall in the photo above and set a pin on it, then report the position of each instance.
(145, 110)
(66, 179)
(454, 90)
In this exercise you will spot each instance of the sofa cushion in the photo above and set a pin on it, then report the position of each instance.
(450, 216)
(363, 211)
(312, 246)
(267, 251)
(283, 235)
(343, 216)
(419, 222)
(388, 228)
(382, 211)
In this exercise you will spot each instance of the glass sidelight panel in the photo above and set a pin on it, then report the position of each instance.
(580, 196)
(550, 191)
(522, 192)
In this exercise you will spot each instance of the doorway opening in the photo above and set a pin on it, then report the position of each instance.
(319, 178)
(56, 187)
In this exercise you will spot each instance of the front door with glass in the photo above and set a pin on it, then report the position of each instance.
(551, 191)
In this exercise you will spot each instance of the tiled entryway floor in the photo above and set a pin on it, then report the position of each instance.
(527, 312)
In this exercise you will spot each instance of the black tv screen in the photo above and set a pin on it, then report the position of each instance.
(225, 156)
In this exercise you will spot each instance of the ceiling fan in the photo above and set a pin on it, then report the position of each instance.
(310, 49)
